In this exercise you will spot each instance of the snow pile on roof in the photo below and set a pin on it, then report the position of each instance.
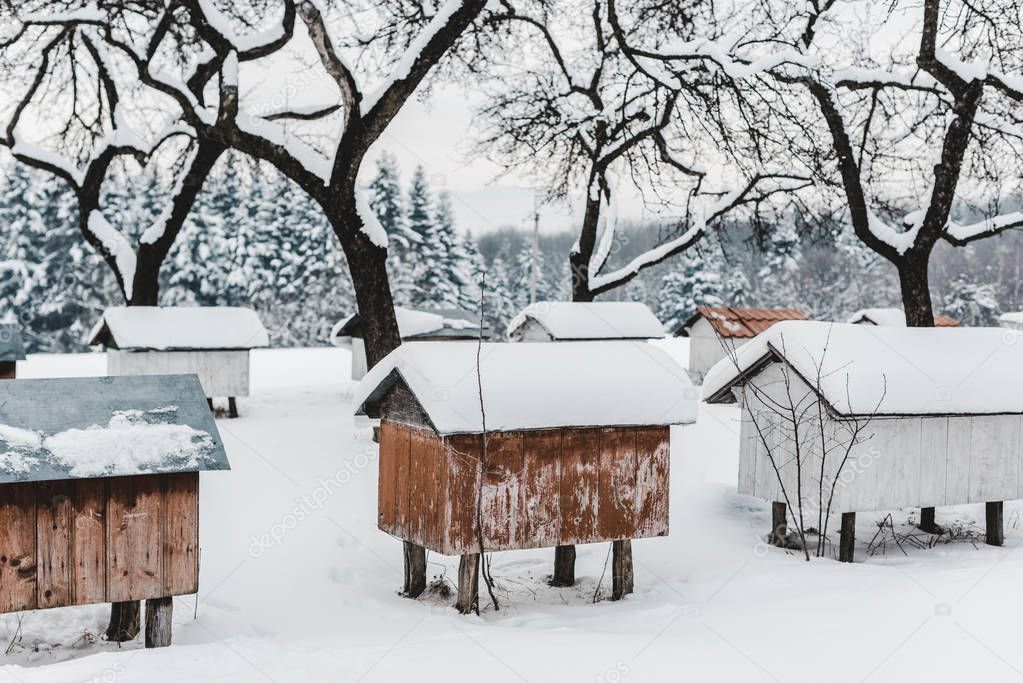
(180, 327)
(1011, 320)
(894, 317)
(889, 370)
(594, 320)
(106, 426)
(413, 323)
(535, 386)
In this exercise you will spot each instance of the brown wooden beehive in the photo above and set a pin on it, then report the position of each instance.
(99, 489)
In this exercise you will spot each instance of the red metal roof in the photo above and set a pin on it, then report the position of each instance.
(944, 321)
(730, 321)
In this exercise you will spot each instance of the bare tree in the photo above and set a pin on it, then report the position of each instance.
(917, 133)
(79, 78)
(580, 110)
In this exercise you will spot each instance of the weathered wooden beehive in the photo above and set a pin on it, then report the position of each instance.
(212, 342)
(552, 321)
(892, 417)
(571, 446)
(11, 350)
(99, 492)
(444, 324)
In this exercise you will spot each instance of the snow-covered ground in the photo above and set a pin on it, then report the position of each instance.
(297, 583)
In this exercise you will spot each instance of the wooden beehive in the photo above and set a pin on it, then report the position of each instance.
(576, 441)
(85, 515)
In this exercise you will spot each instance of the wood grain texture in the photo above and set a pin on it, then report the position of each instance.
(133, 538)
(89, 542)
(55, 521)
(541, 488)
(179, 550)
(17, 547)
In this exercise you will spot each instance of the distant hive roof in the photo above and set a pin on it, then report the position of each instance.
(11, 346)
(534, 386)
(893, 317)
(576, 320)
(179, 328)
(91, 427)
(450, 323)
(736, 322)
(867, 369)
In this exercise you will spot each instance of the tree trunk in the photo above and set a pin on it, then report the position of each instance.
(124, 621)
(468, 583)
(159, 613)
(145, 289)
(916, 293)
(779, 524)
(564, 566)
(621, 568)
(579, 261)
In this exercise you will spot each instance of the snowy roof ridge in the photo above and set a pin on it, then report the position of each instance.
(414, 323)
(894, 317)
(105, 427)
(574, 320)
(535, 386)
(889, 371)
(165, 328)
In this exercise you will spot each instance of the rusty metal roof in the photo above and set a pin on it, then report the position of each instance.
(733, 321)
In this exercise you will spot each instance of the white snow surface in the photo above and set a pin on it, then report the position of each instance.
(294, 523)
(538, 386)
(118, 245)
(370, 223)
(413, 323)
(891, 370)
(182, 327)
(592, 320)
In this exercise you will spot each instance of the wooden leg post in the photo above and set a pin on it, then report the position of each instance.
(621, 568)
(564, 566)
(159, 613)
(232, 407)
(995, 527)
(779, 524)
(927, 522)
(847, 542)
(125, 623)
(209, 402)
(468, 583)
(415, 569)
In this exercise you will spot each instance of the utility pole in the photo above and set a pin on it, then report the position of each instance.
(536, 247)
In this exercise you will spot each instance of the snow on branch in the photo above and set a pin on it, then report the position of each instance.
(960, 234)
(109, 241)
(899, 240)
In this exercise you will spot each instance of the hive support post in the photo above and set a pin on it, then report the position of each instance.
(847, 541)
(415, 569)
(621, 568)
(209, 402)
(779, 524)
(124, 621)
(995, 527)
(927, 522)
(159, 613)
(564, 566)
(232, 407)
(468, 583)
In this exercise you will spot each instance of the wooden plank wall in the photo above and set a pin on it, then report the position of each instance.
(540, 489)
(221, 373)
(79, 542)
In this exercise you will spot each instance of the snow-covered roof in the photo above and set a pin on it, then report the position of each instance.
(737, 322)
(535, 386)
(573, 320)
(91, 427)
(449, 323)
(1012, 320)
(868, 369)
(11, 346)
(893, 317)
(167, 328)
